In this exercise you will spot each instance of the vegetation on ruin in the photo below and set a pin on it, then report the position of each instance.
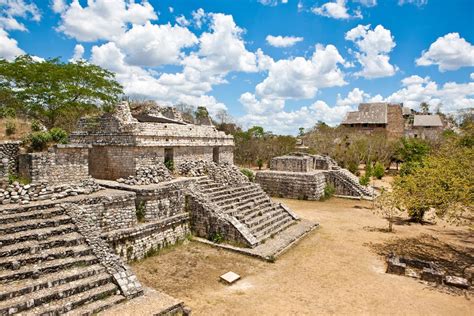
(53, 92)
(329, 191)
(248, 173)
(41, 140)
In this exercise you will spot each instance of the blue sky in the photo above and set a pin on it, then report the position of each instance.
(281, 64)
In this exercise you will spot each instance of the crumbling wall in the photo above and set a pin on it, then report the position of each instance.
(293, 185)
(9, 152)
(61, 164)
(140, 241)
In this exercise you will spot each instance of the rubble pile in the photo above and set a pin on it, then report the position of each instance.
(25, 193)
(148, 175)
(222, 173)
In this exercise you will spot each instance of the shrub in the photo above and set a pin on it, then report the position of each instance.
(364, 180)
(36, 126)
(10, 128)
(368, 169)
(329, 191)
(169, 164)
(248, 173)
(58, 135)
(140, 211)
(353, 167)
(260, 163)
(379, 170)
(417, 213)
(39, 140)
(6, 112)
(216, 237)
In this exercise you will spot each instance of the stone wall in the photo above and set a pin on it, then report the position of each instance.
(395, 122)
(9, 152)
(61, 164)
(293, 185)
(292, 163)
(148, 238)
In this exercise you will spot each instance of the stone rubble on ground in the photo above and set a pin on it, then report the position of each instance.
(18, 193)
(148, 175)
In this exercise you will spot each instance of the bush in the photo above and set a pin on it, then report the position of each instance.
(379, 170)
(36, 126)
(39, 140)
(260, 163)
(169, 164)
(140, 212)
(329, 191)
(6, 112)
(417, 214)
(353, 167)
(364, 180)
(10, 128)
(368, 169)
(248, 173)
(58, 135)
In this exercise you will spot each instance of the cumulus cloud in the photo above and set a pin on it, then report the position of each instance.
(418, 3)
(103, 19)
(472, 76)
(449, 52)
(78, 53)
(283, 41)
(300, 78)
(353, 98)
(373, 49)
(58, 6)
(11, 10)
(367, 3)
(154, 45)
(8, 46)
(336, 10)
(199, 17)
(272, 2)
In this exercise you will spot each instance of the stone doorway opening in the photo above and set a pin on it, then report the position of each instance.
(215, 154)
(169, 158)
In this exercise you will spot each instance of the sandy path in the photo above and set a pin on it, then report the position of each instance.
(332, 271)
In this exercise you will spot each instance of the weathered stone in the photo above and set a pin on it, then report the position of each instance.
(456, 281)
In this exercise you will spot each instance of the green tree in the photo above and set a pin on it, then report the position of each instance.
(201, 112)
(58, 93)
(425, 107)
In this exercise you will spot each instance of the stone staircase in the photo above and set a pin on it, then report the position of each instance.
(351, 183)
(248, 204)
(47, 268)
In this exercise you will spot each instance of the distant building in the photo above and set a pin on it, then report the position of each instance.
(425, 126)
(377, 117)
(393, 119)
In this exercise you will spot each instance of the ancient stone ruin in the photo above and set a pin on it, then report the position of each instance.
(128, 184)
(304, 176)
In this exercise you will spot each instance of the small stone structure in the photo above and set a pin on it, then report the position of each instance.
(9, 151)
(304, 176)
(424, 270)
(122, 143)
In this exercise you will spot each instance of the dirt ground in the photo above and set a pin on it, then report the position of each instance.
(337, 269)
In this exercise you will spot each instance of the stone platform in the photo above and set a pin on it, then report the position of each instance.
(272, 248)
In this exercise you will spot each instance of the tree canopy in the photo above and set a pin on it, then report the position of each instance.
(54, 92)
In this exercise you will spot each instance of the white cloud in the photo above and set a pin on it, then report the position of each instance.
(78, 52)
(154, 45)
(272, 2)
(449, 52)
(367, 3)
(418, 3)
(182, 21)
(353, 98)
(300, 78)
(472, 76)
(8, 46)
(374, 47)
(283, 41)
(336, 10)
(11, 10)
(103, 19)
(58, 6)
(199, 17)
(171, 9)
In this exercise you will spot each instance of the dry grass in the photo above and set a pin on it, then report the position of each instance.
(23, 128)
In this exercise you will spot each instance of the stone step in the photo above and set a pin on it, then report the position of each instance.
(248, 208)
(16, 209)
(23, 287)
(15, 227)
(246, 203)
(98, 306)
(45, 267)
(253, 219)
(60, 292)
(72, 302)
(69, 239)
(222, 191)
(264, 225)
(240, 199)
(46, 255)
(32, 214)
(249, 212)
(228, 196)
(274, 229)
(36, 234)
